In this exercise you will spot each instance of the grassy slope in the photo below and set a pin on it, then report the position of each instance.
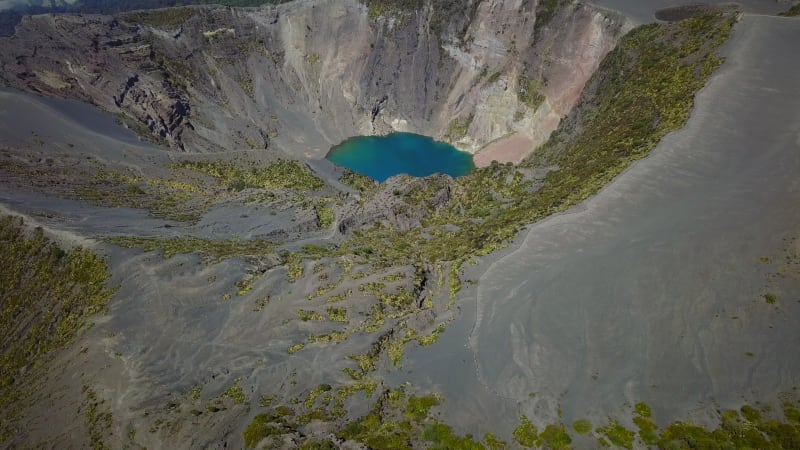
(47, 296)
(644, 89)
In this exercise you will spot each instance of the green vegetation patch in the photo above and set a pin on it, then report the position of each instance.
(526, 434)
(210, 250)
(280, 174)
(493, 443)
(48, 296)
(294, 267)
(295, 348)
(319, 445)
(457, 128)
(337, 314)
(750, 413)
(645, 89)
(647, 428)
(235, 393)
(167, 198)
(167, 19)
(395, 8)
(476, 221)
(420, 407)
(315, 393)
(325, 213)
(442, 437)
(431, 339)
(554, 437)
(791, 413)
(528, 92)
(794, 11)
(305, 316)
(97, 419)
(618, 434)
(582, 426)
(734, 432)
(362, 183)
(398, 422)
(277, 422)
(259, 429)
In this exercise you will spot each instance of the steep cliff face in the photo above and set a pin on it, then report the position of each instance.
(538, 61)
(308, 74)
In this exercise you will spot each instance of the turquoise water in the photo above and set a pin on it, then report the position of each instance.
(380, 157)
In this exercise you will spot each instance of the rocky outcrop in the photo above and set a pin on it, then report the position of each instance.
(100, 60)
(402, 204)
(308, 74)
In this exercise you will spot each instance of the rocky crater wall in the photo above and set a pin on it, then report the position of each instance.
(305, 75)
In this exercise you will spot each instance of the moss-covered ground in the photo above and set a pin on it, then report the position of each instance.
(210, 250)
